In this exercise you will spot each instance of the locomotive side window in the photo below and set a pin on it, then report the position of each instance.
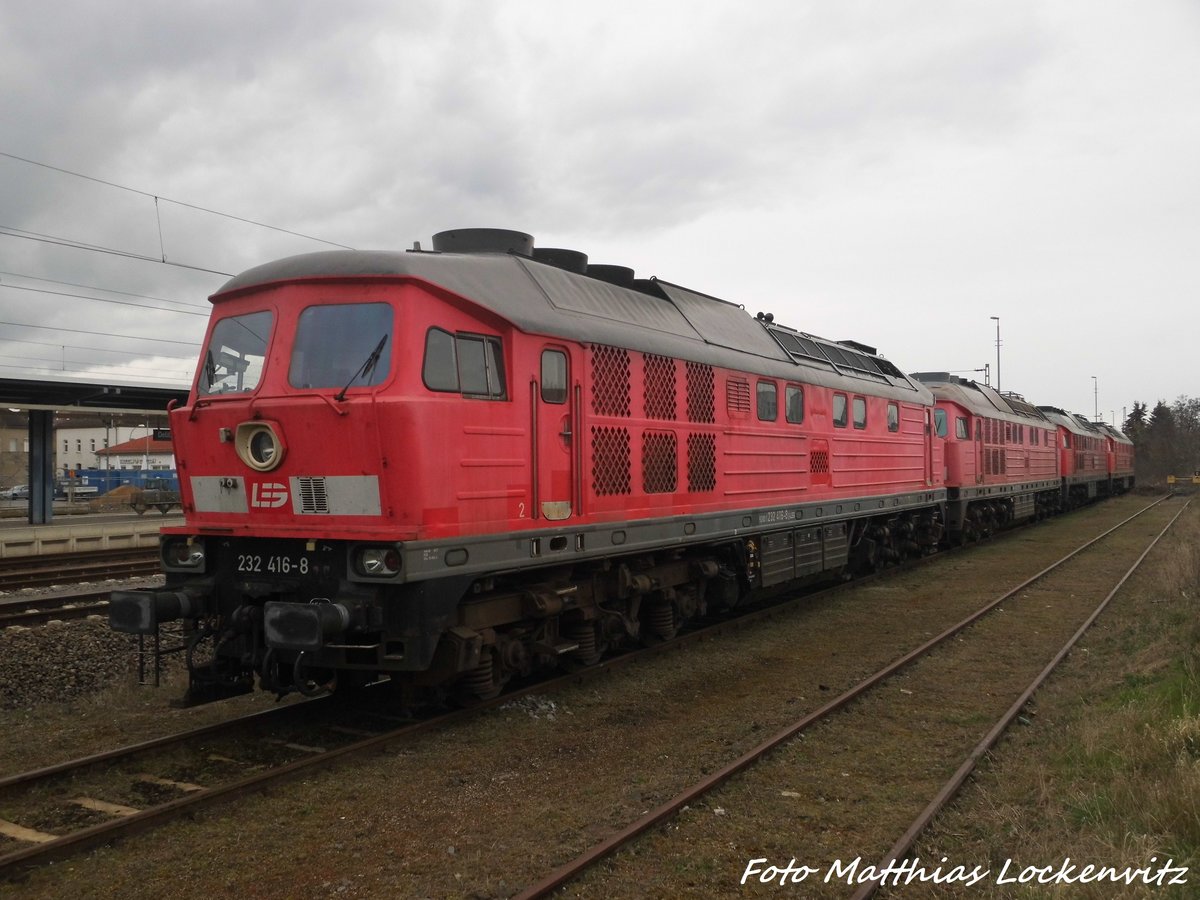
(893, 410)
(768, 401)
(554, 376)
(233, 361)
(342, 345)
(860, 412)
(479, 367)
(939, 422)
(839, 410)
(793, 404)
(961, 430)
(441, 363)
(470, 364)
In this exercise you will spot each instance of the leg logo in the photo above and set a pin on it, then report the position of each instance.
(268, 495)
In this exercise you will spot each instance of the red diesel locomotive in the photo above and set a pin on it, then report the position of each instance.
(457, 466)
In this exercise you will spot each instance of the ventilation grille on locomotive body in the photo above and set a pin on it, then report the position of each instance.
(612, 445)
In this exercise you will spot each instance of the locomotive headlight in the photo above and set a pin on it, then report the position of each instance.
(259, 446)
(377, 562)
(180, 553)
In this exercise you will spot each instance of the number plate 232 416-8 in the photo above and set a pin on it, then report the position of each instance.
(272, 564)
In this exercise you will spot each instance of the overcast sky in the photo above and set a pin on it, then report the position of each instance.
(892, 172)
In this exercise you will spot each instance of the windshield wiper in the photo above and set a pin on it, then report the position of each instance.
(210, 370)
(364, 370)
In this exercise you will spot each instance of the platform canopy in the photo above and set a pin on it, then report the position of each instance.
(41, 398)
(94, 396)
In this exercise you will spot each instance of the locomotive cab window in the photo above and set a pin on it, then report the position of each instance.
(233, 360)
(860, 412)
(793, 404)
(342, 345)
(768, 401)
(939, 422)
(961, 429)
(554, 376)
(469, 364)
(839, 410)
(893, 411)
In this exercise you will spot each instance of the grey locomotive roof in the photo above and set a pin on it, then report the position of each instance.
(1073, 422)
(980, 399)
(543, 299)
(1118, 436)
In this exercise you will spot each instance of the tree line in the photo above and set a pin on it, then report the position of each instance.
(1166, 438)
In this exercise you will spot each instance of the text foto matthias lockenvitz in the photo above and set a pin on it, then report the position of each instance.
(912, 871)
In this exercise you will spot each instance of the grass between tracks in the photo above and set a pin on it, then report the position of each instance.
(481, 809)
(1107, 770)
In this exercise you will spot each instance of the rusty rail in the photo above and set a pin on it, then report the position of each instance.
(951, 788)
(665, 811)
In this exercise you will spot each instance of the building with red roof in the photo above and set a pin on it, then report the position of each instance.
(139, 453)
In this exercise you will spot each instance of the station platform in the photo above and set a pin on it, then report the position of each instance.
(81, 534)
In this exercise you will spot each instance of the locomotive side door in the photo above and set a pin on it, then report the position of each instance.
(979, 451)
(931, 435)
(554, 441)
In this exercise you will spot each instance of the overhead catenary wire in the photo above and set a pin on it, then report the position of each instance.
(11, 231)
(62, 364)
(161, 259)
(127, 337)
(178, 312)
(157, 197)
(190, 358)
(88, 368)
(92, 287)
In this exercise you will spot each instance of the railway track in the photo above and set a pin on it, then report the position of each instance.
(75, 568)
(147, 795)
(57, 607)
(623, 837)
(139, 794)
(954, 784)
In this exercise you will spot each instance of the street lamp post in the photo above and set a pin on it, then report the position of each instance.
(1095, 399)
(996, 319)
